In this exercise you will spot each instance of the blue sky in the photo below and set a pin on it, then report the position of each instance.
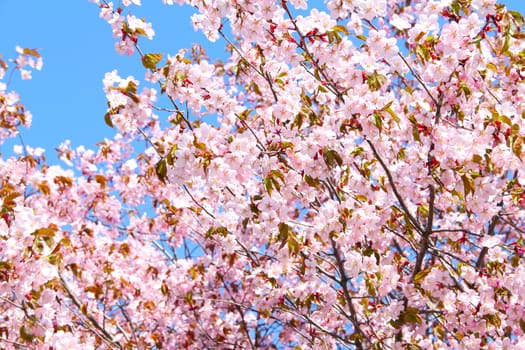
(66, 97)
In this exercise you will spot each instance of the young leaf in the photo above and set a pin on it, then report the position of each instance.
(162, 170)
(150, 60)
(107, 119)
(31, 52)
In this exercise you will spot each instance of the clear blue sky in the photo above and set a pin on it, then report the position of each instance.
(66, 97)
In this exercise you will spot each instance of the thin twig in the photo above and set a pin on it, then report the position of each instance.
(418, 78)
(394, 189)
(197, 203)
(105, 335)
(425, 239)
(128, 319)
(343, 283)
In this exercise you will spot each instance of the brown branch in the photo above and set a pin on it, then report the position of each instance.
(128, 319)
(244, 325)
(105, 335)
(425, 239)
(331, 87)
(17, 344)
(173, 103)
(411, 218)
(418, 78)
(197, 203)
(259, 143)
(265, 75)
(484, 251)
(326, 331)
(348, 298)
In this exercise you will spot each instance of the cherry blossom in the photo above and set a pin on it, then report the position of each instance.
(350, 177)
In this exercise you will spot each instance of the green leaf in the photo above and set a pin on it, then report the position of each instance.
(419, 36)
(275, 184)
(189, 298)
(287, 237)
(401, 154)
(311, 181)
(198, 145)
(370, 288)
(468, 184)
(278, 174)
(518, 17)
(375, 81)
(245, 114)
(415, 133)
(46, 234)
(423, 53)
(284, 233)
(492, 319)
(25, 335)
(268, 185)
(6, 265)
(131, 88)
(506, 44)
(162, 170)
(411, 315)
(334, 37)
(465, 89)
(492, 67)
(293, 244)
(221, 231)
(517, 146)
(357, 151)
(124, 249)
(378, 121)
(75, 269)
(270, 182)
(150, 60)
(392, 114)
(340, 28)
(502, 118)
(54, 259)
(298, 121)
(140, 31)
(476, 158)
(321, 88)
(171, 158)
(332, 158)
(256, 89)
(422, 274)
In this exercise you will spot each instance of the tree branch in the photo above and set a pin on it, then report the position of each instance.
(105, 335)
(423, 248)
(412, 219)
(343, 282)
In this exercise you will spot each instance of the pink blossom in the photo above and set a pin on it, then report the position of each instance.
(317, 188)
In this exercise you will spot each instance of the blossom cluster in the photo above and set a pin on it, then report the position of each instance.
(350, 177)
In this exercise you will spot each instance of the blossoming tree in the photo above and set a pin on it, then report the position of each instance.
(350, 177)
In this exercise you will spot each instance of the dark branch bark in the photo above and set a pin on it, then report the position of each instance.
(481, 258)
(344, 285)
(103, 333)
(411, 218)
(425, 238)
